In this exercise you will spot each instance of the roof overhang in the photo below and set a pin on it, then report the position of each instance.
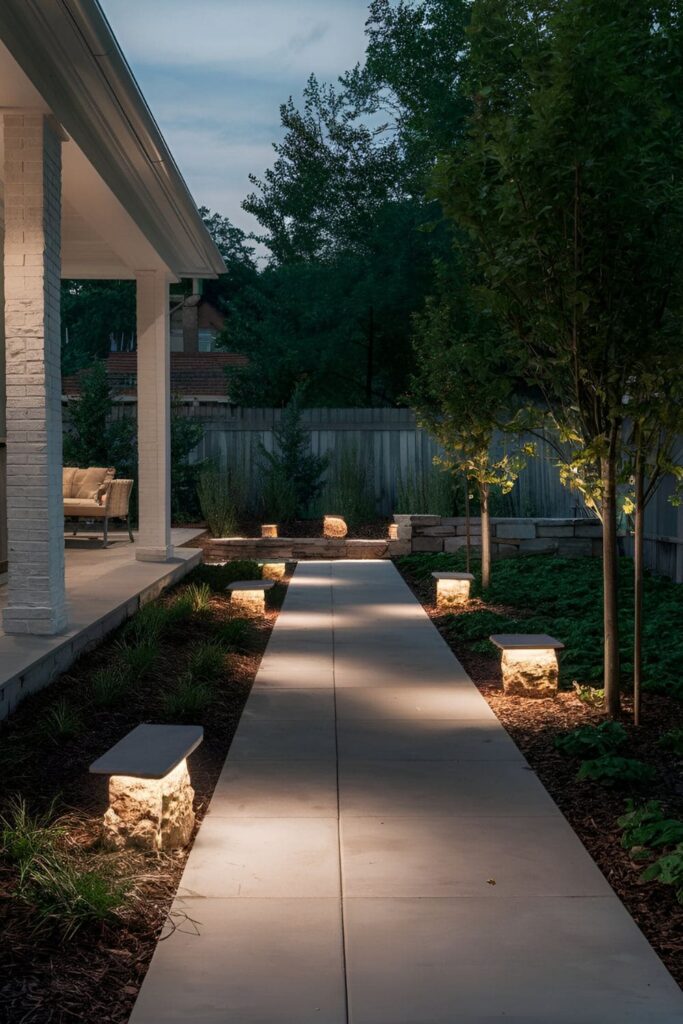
(122, 187)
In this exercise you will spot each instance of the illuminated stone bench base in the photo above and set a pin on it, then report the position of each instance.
(529, 663)
(150, 796)
(452, 588)
(248, 597)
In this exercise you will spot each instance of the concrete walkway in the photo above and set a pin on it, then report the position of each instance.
(377, 850)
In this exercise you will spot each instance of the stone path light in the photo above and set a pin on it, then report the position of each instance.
(248, 597)
(529, 663)
(334, 526)
(393, 531)
(269, 530)
(273, 570)
(150, 796)
(452, 588)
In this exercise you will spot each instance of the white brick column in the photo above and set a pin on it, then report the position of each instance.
(154, 417)
(35, 517)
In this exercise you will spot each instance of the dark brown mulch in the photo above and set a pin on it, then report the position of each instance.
(95, 977)
(591, 809)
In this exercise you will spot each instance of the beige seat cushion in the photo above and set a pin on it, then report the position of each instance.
(68, 474)
(91, 482)
(82, 507)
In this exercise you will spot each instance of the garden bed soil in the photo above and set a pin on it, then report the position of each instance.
(96, 975)
(591, 809)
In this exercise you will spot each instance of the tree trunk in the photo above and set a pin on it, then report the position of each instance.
(485, 537)
(468, 532)
(638, 537)
(609, 586)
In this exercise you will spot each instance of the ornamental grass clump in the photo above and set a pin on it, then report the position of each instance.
(199, 595)
(109, 686)
(207, 662)
(138, 660)
(236, 634)
(61, 722)
(188, 699)
(147, 625)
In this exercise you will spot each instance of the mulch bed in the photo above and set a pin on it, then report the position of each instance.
(95, 976)
(591, 809)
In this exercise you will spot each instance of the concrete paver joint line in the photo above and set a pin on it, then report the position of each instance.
(344, 872)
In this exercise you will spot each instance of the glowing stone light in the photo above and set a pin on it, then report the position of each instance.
(274, 570)
(452, 588)
(269, 530)
(334, 526)
(529, 663)
(150, 795)
(393, 531)
(248, 597)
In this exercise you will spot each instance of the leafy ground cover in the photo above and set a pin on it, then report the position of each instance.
(78, 924)
(620, 787)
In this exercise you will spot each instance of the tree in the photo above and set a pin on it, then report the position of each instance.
(291, 467)
(97, 316)
(464, 393)
(569, 183)
(91, 436)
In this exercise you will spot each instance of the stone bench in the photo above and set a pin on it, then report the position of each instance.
(452, 588)
(248, 597)
(150, 796)
(529, 663)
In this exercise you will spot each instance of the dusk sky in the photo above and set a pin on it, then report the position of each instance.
(214, 73)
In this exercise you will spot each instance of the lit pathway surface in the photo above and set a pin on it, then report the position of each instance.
(378, 851)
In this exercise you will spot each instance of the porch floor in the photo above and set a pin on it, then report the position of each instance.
(104, 586)
(378, 851)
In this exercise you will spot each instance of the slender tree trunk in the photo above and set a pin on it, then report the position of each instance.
(485, 537)
(638, 536)
(468, 531)
(609, 578)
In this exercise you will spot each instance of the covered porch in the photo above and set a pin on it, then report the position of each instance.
(89, 190)
(103, 587)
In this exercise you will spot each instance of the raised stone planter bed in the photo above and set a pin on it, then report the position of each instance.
(509, 537)
(301, 548)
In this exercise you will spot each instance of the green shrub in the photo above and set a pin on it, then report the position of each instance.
(432, 491)
(672, 741)
(292, 473)
(236, 634)
(61, 722)
(138, 661)
(207, 662)
(217, 502)
(592, 740)
(611, 770)
(188, 699)
(646, 827)
(278, 496)
(668, 870)
(109, 686)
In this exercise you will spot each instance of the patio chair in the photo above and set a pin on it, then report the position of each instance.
(95, 494)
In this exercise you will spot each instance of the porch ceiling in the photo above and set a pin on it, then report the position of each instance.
(125, 205)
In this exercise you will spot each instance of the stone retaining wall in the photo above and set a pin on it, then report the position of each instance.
(509, 537)
(300, 548)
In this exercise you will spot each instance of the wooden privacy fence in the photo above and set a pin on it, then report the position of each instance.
(388, 441)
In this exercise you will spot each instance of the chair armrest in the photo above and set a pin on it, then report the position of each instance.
(117, 497)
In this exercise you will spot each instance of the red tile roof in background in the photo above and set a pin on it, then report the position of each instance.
(192, 373)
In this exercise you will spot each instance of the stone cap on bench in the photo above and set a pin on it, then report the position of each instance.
(452, 575)
(526, 642)
(251, 585)
(149, 751)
